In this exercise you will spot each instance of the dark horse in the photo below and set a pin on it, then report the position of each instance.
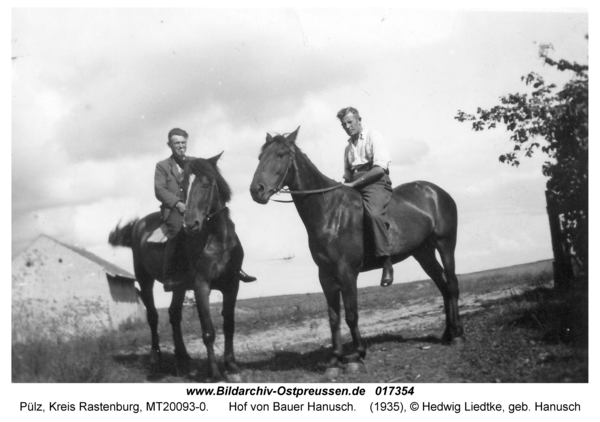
(214, 258)
(423, 219)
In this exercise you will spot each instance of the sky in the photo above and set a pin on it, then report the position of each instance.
(95, 92)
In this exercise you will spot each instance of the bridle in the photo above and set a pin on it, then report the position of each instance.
(213, 214)
(292, 163)
(207, 218)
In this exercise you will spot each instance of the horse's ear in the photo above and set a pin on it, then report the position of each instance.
(269, 138)
(291, 138)
(213, 160)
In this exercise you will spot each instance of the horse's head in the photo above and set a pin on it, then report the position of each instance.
(207, 193)
(274, 170)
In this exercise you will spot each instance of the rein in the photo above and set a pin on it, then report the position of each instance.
(292, 162)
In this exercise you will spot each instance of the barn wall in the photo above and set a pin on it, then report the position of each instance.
(56, 291)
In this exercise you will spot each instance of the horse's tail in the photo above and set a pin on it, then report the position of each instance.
(122, 236)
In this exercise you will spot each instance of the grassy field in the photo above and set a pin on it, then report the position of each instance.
(531, 334)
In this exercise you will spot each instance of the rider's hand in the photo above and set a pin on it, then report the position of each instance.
(180, 207)
(347, 181)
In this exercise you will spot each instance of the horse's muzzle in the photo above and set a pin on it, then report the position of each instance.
(192, 229)
(260, 193)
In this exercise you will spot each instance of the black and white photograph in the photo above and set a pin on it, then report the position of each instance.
(374, 195)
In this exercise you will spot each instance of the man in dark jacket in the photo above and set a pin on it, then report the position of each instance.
(167, 188)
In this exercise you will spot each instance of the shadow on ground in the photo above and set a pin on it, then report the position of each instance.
(169, 367)
(307, 358)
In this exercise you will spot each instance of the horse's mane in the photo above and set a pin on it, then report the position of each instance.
(201, 166)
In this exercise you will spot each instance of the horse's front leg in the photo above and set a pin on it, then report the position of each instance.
(348, 287)
(228, 313)
(202, 293)
(331, 289)
(175, 312)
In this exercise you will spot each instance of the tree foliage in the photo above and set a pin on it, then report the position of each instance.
(555, 121)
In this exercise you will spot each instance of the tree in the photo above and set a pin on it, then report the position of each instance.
(556, 123)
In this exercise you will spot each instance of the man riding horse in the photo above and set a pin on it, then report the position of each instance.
(366, 169)
(168, 190)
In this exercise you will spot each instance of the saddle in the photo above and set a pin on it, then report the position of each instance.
(159, 235)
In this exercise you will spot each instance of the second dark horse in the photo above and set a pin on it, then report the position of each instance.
(422, 216)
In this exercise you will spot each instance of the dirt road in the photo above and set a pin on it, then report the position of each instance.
(417, 314)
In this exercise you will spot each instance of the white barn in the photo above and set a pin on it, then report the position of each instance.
(61, 290)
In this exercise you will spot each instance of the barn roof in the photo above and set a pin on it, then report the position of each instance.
(108, 267)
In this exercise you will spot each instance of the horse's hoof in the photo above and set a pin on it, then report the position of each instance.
(218, 379)
(333, 372)
(458, 342)
(183, 367)
(183, 357)
(234, 377)
(232, 368)
(155, 357)
(354, 367)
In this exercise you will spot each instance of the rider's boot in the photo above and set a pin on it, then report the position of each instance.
(246, 278)
(387, 278)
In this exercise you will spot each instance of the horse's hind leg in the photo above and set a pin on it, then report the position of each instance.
(446, 281)
(446, 247)
(175, 311)
(146, 285)
(228, 313)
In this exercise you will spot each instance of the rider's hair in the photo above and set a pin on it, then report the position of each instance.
(342, 113)
(177, 131)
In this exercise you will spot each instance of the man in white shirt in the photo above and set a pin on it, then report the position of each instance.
(366, 169)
